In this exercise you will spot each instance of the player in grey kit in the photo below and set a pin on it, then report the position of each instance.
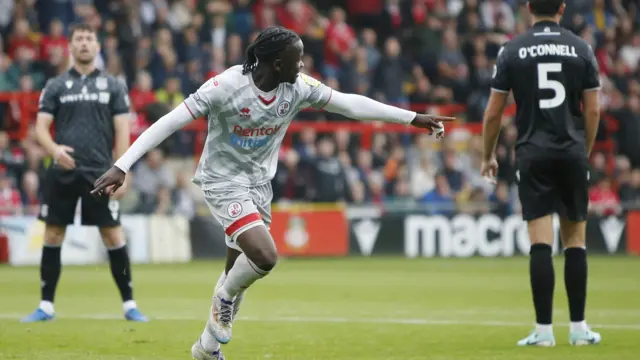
(90, 110)
(249, 109)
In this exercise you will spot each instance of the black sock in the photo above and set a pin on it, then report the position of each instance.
(50, 268)
(575, 281)
(121, 271)
(542, 282)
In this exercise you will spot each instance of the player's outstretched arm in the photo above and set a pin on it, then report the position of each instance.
(363, 108)
(149, 139)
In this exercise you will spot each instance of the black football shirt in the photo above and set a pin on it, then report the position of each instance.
(547, 68)
(83, 107)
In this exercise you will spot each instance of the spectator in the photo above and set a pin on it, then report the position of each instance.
(455, 178)
(142, 93)
(10, 202)
(452, 67)
(149, 177)
(598, 168)
(630, 192)
(390, 74)
(290, 182)
(501, 200)
(183, 201)
(12, 158)
(599, 17)
(422, 178)
(376, 187)
(30, 196)
(163, 204)
(23, 40)
(440, 200)
(170, 94)
(330, 183)
(497, 16)
(603, 200)
(340, 38)
(54, 40)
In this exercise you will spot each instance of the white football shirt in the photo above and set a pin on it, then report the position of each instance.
(247, 125)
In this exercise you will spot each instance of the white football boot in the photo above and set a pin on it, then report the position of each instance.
(198, 352)
(544, 339)
(585, 337)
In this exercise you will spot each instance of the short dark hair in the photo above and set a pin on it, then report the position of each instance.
(80, 27)
(545, 7)
(267, 46)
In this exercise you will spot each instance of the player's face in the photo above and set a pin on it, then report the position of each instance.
(84, 46)
(291, 64)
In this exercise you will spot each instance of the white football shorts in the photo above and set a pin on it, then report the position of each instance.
(239, 208)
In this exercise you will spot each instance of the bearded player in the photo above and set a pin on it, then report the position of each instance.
(90, 110)
(249, 108)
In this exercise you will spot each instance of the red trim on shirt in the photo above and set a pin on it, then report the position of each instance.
(190, 112)
(265, 101)
(325, 104)
(240, 223)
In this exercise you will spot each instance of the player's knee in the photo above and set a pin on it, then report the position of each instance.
(112, 237)
(265, 258)
(572, 233)
(54, 235)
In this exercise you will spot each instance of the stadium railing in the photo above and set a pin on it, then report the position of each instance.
(27, 102)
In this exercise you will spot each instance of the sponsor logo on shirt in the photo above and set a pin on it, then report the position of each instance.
(247, 137)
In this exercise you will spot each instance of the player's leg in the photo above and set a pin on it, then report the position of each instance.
(105, 214)
(57, 211)
(573, 234)
(536, 192)
(246, 232)
(207, 347)
(258, 258)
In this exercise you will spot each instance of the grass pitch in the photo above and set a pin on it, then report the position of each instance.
(357, 308)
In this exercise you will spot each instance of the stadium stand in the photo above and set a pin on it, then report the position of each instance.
(429, 55)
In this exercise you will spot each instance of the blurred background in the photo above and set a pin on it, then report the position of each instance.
(427, 55)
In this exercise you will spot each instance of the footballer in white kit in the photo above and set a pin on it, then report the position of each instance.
(246, 128)
(249, 108)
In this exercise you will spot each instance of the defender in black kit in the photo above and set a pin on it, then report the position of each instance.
(90, 112)
(554, 78)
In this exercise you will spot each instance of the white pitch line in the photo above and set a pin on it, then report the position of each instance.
(335, 320)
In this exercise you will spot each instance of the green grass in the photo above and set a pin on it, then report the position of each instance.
(384, 308)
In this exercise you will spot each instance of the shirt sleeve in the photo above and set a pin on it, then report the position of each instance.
(315, 94)
(154, 135)
(362, 108)
(120, 103)
(592, 77)
(500, 81)
(48, 102)
(208, 98)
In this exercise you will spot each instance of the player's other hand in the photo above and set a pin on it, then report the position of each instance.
(489, 170)
(122, 190)
(62, 156)
(109, 182)
(433, 123)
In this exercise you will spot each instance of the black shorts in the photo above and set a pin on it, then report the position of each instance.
(62, 189)
(548, 185)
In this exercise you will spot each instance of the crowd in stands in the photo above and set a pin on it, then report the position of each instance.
(411, 53)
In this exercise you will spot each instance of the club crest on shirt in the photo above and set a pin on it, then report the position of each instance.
(283, 108)
(101, 83)
(234, 209)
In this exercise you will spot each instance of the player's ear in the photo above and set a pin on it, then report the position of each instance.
(277, 65)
